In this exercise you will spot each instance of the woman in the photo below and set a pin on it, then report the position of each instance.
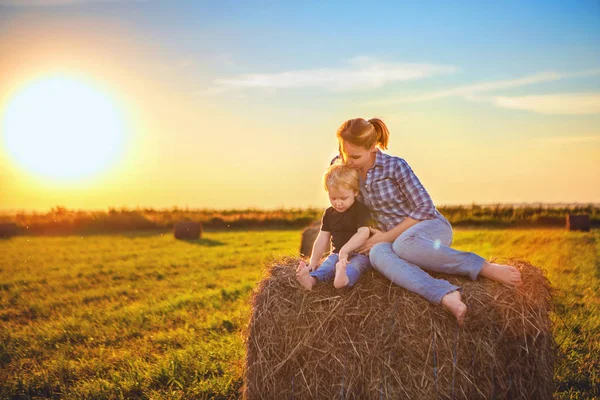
(412, 235)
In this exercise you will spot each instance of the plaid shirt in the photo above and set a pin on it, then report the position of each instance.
(393, 192)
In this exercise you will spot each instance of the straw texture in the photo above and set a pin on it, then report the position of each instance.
(379, 341)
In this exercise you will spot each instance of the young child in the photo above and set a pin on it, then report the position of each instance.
(346, 223)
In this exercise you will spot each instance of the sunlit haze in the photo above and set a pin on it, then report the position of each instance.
(235, 105)
(61, 129)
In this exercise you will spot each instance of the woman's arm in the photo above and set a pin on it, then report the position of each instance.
(422, 207)
(388, 236)
(319, 248)
(396, 231)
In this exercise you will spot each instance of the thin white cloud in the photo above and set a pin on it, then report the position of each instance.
(472, 91)
(55, 3)
(564, 104)
(569, 139)
(360, 73)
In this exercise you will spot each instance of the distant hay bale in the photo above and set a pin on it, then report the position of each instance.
(218, 222)
(188, 230)
(308, 238)
(8, 230)
(578, 222)
(377, 340)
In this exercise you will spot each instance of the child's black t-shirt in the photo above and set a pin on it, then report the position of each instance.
(343, 225)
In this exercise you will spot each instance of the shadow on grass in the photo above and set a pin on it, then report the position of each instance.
(203, 242)
(127, 234)
(135, 234)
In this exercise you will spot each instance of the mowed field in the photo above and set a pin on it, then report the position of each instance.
(147, 316)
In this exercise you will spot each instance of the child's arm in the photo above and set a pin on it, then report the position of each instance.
(320, 246)
(357, 240)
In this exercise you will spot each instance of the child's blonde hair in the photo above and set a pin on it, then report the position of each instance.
(339, 176)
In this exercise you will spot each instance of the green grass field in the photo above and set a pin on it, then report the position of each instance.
(146, 316)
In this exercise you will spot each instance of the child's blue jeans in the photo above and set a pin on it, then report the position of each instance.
(357, 264)
(424, 246)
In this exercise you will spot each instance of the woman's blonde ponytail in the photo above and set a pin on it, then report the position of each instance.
(383, 134)
(363, 133)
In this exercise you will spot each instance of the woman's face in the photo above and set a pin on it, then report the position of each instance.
(357, 157)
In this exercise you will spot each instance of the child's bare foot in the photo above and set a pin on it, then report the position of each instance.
(304, 277)
(301, 266)
(341, 278)
(454, 304)
(501, 273)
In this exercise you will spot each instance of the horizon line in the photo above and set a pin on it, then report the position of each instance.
(284, 208)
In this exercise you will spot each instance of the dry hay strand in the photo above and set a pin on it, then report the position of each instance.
(379, 341)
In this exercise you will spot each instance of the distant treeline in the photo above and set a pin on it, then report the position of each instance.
(60, 220)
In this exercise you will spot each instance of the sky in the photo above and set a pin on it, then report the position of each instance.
(235, 104)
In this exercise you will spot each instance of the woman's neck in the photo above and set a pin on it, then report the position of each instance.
(372, 158)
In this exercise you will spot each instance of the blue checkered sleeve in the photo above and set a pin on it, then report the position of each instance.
(421, 205)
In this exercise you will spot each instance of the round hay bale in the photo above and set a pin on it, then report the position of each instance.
(377, 340)
(578, 222)
(218, 222)
(8, 230)
(188, 230)
(308, 239)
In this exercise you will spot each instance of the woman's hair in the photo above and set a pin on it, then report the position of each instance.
(339, 176)
(363, 133)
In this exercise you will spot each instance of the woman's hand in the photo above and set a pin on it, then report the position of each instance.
(376, 237)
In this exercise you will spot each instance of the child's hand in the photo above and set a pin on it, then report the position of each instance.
(343, 260)
(312, 267)
(342, 263)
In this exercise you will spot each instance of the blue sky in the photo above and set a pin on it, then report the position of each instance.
(498, 38)
(482, 81)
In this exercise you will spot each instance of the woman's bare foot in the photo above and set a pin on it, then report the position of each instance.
(303, 275)
(341, 278)
(501, 273)
(454, 304)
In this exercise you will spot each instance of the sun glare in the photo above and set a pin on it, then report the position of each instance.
(63, 129)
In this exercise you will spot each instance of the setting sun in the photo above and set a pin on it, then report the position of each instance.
(63, 129)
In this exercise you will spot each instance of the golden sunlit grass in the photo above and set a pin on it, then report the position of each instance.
(146, 316)
(62, 129)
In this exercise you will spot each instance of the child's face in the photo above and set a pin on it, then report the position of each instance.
(341, 199)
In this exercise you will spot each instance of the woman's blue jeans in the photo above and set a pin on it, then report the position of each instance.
(425, 246)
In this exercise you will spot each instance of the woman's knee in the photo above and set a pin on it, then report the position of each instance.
(378, 252)
(403, 244)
